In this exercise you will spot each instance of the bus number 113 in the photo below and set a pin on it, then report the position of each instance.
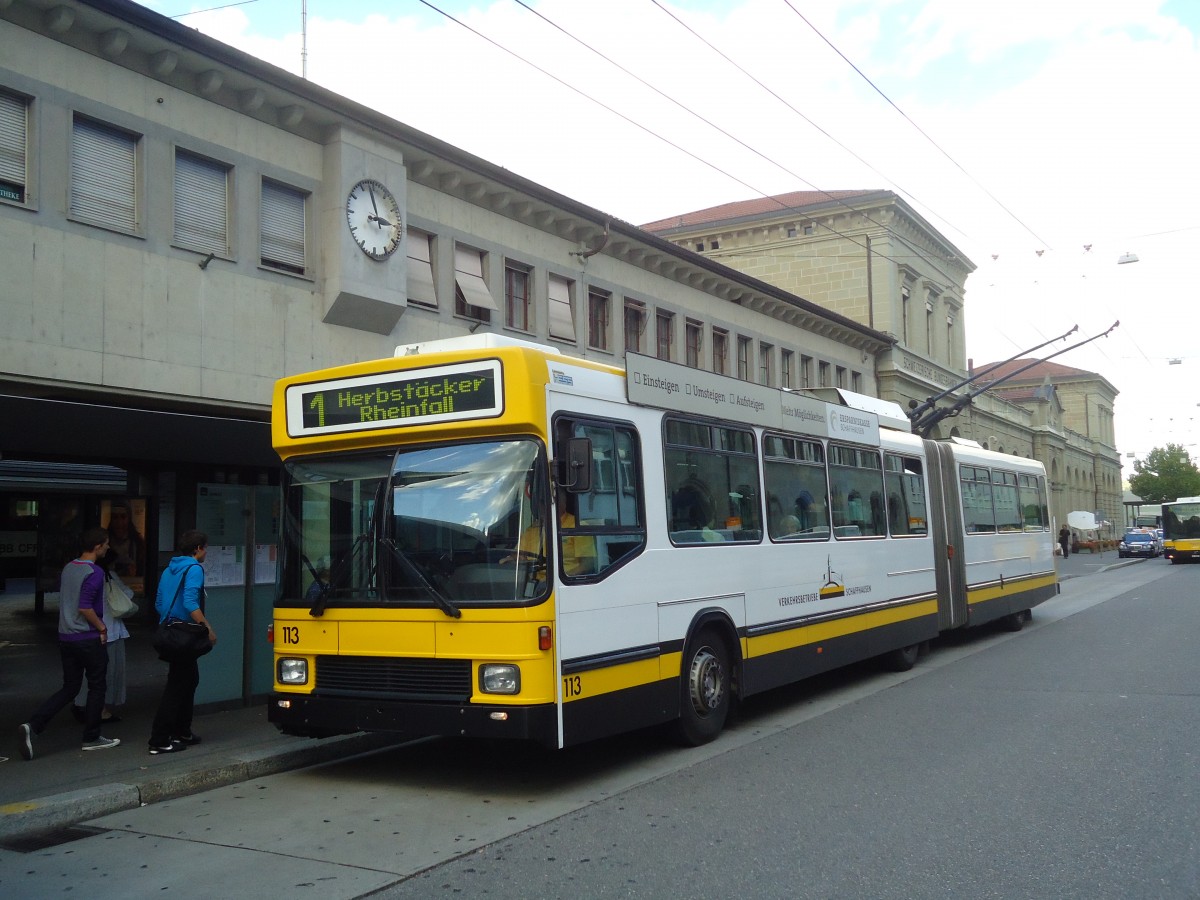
(572, 686)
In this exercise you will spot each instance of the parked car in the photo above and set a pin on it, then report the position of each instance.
(1139, 543)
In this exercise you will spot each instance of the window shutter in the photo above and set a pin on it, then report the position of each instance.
(201, 204)
(281, 227)
(14, 125)
(468, 274)
(562, 318)
(103, 176)
(420, 269)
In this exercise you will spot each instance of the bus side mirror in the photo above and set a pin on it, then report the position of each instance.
(575, 465)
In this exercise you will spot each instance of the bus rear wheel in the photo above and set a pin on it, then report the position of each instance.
(901, 659)
(706, 688)
(1016, 621)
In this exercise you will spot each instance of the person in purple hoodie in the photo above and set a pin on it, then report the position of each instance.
(81, 637)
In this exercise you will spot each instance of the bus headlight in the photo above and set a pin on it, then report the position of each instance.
(292, 671)
(496, 678)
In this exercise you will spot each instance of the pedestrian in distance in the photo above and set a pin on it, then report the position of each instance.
(81, 645)
(181, 596)
(1064, 540)
(115, 691)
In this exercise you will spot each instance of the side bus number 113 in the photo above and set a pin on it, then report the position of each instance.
(572, 686)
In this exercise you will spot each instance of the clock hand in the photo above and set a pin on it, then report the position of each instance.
(371, 191)
(380, 220)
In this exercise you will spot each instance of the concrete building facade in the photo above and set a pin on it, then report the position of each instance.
(181, 224)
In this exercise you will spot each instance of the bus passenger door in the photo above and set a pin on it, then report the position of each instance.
(947, 525)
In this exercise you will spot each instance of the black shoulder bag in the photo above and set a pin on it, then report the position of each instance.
(178, 640)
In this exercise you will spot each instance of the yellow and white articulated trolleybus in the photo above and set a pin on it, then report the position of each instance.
(484, 537)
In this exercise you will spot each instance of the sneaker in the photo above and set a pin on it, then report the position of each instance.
(190, 738)
(172, 747)
(25, 733)
(101, 743)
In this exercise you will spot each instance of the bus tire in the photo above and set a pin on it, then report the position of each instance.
(706, 687)
(901, 659)
(1014, 621)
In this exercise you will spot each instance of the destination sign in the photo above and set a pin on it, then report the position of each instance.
(396, 399)
(653, 382)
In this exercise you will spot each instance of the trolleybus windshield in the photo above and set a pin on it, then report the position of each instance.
(1181, 521)
(427, 526)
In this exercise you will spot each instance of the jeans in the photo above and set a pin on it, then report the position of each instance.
(174, 716)
(79, 658)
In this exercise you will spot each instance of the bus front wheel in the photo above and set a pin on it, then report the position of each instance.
(706, 688)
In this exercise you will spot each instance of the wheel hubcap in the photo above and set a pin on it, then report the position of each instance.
(706, 681)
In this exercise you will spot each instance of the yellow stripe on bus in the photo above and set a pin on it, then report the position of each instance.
(1015, 586)
(610, 679)
(836, 628)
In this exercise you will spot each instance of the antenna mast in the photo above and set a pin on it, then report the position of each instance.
(304, 39)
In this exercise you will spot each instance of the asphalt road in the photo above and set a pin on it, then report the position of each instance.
(1061, 764)
(1057, 762)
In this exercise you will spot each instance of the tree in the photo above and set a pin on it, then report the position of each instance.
(1167, 474)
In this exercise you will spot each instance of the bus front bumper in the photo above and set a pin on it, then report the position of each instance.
(316, 716)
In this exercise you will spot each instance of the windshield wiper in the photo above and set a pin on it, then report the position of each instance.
(443, 603)
(335, 576)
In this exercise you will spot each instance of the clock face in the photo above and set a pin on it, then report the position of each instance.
(374, 219)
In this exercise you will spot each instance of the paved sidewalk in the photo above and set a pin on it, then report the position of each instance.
(62, 784)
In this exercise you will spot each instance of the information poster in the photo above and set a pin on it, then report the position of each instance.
(265, 558)
(225, 566)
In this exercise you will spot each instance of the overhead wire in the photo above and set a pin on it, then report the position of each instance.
(799, 211)
(798, 112)
(919, 129)
(196, 12)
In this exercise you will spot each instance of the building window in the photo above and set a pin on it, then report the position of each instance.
(14, 147)
(841, 376)
(471, 295)
(765, 354)
(282, 234)
(743, 358)
(664, 331)
(720, 354)
(808, 229)
(823, 374)
(201, 204)
(635, 324)
(805, 372)
(104, 176)
(905, 297)
(420, 268)
(599, 303)
(694, 337)
(785, 369)
(856, 382)
(516, 296)
(562, 308)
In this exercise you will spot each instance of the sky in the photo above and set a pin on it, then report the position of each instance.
(1044, 140)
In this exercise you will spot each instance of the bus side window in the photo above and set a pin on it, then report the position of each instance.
(906, 495)
(603, 526)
